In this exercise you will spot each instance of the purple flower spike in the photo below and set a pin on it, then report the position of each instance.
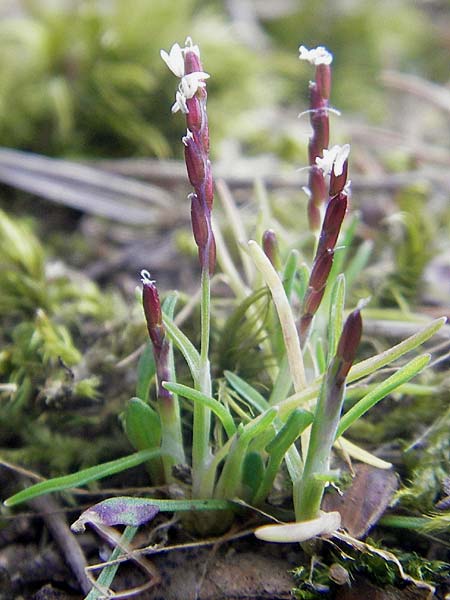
(156, 331)
(152, 310)
(319, 94)
(348, 344)
(191, 100)
(334, 162)
(270, 247)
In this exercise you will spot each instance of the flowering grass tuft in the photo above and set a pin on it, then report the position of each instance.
(227, 436)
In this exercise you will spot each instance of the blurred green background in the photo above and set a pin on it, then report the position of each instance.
(83, 78)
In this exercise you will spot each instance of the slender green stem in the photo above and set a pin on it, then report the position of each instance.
(202, 414)
(172, 440)
(308, 494)
(107, 575)
(172, 436)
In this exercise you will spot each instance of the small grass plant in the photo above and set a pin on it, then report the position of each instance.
(231, 435)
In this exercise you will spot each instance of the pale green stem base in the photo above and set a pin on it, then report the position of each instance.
(201, 451)
(172, 439)
(309, 491)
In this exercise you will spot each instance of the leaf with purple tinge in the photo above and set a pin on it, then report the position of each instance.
(117, 511)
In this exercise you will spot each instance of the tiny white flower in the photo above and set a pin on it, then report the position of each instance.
(180, 103)
(189, 45)
(348, 188)
(190, 83)
(333, 159)
(307, 191)
(174, 60)
(316, 56)
(185, 139)
(341, 157)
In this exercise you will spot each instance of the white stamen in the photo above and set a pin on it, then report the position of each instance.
(316, 56)
(145, 276)
(189, 45)
(307, 191)
(328, 109)
(185, 139)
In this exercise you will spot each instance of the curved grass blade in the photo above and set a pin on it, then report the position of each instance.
(229, 484)
(296, 424)
(143, 428)
(290, 271)
(336, 318)
(370, 365)
(401, 376)
(248, 392)
(169, 304)
(145, 372)
(285, 315)
(358, 262)
(218, 409)
(58, 484)
(185, 346)
(108, 574)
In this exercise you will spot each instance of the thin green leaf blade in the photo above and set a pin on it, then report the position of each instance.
(145, 372)
(184, 345)
(58, 484)
(290, 271)
(336, 318)
(400, 377)
(370, 365)
(248, 392)
(218, 409)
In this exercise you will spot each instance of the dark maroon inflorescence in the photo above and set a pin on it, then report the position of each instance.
(335, 160)
(156, 331)
(319, 94)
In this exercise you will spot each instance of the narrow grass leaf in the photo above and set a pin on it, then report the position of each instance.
(301, 283)
(290, 271)
(247, 392)
(297, 422)
(336, 318)
(285, 315)
(257, 426)
(142, 425)
(145, 372)
(358, 262)
(252, 473)
(279, 448)
(58, 484)
(401, 376)
(184, 345)
(218, 409)
(321, 360)
(108, 574)
(370, 365)
(169, 305)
